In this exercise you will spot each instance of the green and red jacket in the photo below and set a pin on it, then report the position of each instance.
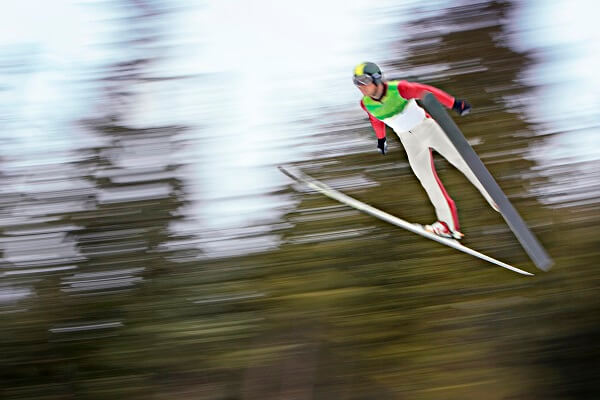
(396, 101)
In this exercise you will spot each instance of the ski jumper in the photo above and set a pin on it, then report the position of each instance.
(420, 135)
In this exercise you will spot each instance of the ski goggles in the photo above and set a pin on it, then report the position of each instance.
(362, 80)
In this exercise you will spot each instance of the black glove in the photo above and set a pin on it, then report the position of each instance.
(461, 107)
(382, 145)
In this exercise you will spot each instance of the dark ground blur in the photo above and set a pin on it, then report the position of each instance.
(101, 296)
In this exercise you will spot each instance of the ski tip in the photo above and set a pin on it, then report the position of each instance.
(292, 172)
(285, 171)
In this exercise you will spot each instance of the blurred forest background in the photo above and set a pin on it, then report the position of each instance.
(116, 281)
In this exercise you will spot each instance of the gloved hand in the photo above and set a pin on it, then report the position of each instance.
(382, 145)
(461, 107)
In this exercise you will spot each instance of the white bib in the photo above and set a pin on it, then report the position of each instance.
(411, 116)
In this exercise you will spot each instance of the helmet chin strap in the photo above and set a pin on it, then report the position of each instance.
(380, 90)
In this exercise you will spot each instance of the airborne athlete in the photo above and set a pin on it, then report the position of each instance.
(392, 103)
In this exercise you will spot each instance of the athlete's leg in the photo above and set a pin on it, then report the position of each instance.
(442, 144)
(420, 159)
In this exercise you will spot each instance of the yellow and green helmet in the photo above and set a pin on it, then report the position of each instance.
(366, 73)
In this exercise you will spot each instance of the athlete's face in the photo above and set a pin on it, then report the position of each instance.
(368, 90)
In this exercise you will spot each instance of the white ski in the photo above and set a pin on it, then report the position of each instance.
(299, 176)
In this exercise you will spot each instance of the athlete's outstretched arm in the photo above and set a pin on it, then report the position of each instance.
(414, 90)
(378, 126)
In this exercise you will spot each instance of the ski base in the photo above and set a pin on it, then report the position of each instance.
(418, 229)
